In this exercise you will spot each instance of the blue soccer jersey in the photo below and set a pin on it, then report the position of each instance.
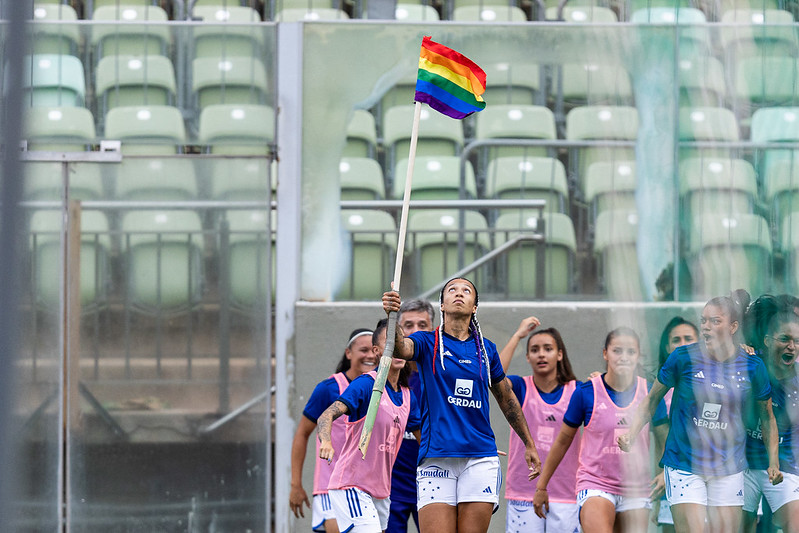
(324, 394)
(785, 403)
(520, 390)
(455, 412)
(359, 394)
(403, 477)
(707, 435)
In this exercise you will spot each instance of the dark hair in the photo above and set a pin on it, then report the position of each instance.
(344, 364)
(418, 304)
(405, 373)
(663, 352)
(734, 305)
(765, 314)
(564, 368)
(622, 331)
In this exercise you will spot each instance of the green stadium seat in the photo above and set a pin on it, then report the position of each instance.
(702, 81)
(755, 5)
(316, 13)
(519, 267)
(449, 6)
(774, 125)
(142, 30)
(781, 190)
(435, 178)
(578, 84)
(361, 179)
(361, 135)
(707, 124)
(400, 94)
(517, 83)
(146, 130)
(610, 186)
(54, 80)
(59, 129)
(757, 31)
(46, 262)
(230, 80)
(123, 3)
(730, 251)
(694, 34)
(518, 177)
(579, 14)
(615, 246)
(247, 258)
(416, 13)
(433, 244)
(789, 244)
(598, 123)
(372, 238)
(229, 31)
(156, 179)
(765, 81)
(242, 178)
(124, 80)
(48, 38)
(44, 181)
(237, 129)
(514, 122)
(489, 13)
(164, 264)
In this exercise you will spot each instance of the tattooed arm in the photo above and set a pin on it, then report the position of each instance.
(503, 392)
(325, 425)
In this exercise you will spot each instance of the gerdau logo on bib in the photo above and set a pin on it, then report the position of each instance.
(463, 395)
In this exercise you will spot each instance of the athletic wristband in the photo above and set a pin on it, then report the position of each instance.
(542, 490)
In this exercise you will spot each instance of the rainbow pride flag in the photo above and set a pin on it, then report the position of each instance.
(448, 81)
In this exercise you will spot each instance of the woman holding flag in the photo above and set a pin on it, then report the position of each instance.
(458, 476)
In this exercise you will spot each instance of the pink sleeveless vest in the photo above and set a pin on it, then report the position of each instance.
(603, 465)
(373, 473)
(544, 421)
(321, 474)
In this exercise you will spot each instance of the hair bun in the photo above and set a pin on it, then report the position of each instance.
(740, 298)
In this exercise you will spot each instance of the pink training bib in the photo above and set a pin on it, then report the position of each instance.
(372, 474)
(603, 465)
(544, 421)
(321, 474)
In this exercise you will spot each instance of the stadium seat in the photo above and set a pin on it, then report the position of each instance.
(372, 238)
(610, 186)
(694, 35)
(489, 13)
(150, 36)
(757, 31)
(230, 80)
(435, 178)
(438, 134)
(577, 84)
(756, 5)
(44, 181)
(361, 179)
(519, 266)
(774, 125)
(528, 177)
(146, 130)
(598, 123)
(765, 81)
(702, 81)
(730, 251)
(316, 13)
(433, 244)
(54, 80)
(579, 14)
(361, 135)
(789, 244)
(513, 123)
(164, 266)
(247, 258)
(615, 245)
(415, 13)
(47, 38)
(517, 83)
(242, 178)
(781, 190)
(237, 129)
(449, 6)
(46, 263)
(156, 179)
(713, 124)
(59, 129)
(124, 80)
(400, 94)
(229, 31)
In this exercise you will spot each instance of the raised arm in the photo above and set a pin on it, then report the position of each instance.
(503, 392)
(768, 426)
(299, 446)
(525, 328)
(554, 457)
(403, 347)
(325, 422)
(643, 415)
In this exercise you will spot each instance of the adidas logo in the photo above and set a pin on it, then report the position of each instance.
(550, 418)
(740, 493)
(603, 406)
(796, 489)
(622, 422)
(396, 421)
(447, 352)
(699, 375)
(487, 490)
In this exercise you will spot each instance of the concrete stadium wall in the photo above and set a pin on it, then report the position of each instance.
(322, 331)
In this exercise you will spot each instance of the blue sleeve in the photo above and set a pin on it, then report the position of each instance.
(669, 373)
(761, 386)
(357, 396)
(415, 416)
(578, 404)
(423, 344)
(497, 372)
(661, 415)
(519, 387)
(323, 395)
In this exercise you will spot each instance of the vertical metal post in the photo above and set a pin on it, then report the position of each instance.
(224, 316)
(540, 259)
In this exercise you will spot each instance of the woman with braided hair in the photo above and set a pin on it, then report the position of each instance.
(458, 476)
